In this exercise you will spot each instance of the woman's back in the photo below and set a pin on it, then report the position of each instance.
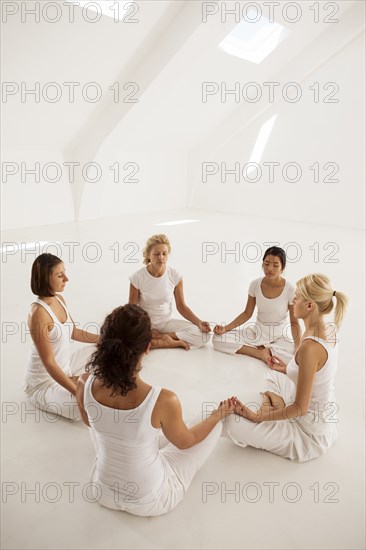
(322, 394)
(129, 467)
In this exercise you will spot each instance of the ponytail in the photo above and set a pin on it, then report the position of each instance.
(317, 288)
(341, 306)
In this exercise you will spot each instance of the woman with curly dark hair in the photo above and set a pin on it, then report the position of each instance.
(137, 469)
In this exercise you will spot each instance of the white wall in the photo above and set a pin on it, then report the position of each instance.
(170, 131)
(28, 203)
(147, 182)
(305, 132)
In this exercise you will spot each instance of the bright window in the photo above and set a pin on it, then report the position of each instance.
(254, 41)
(261, 143)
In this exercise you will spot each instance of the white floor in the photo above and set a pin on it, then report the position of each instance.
(278, 504)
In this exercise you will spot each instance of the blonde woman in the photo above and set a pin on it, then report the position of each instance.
(153, 288)
(297, 419)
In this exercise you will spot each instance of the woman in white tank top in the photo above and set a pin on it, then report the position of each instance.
(52, 370)
(146, 456)
(297, 418)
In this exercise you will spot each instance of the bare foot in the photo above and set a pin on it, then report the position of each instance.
(264, 354)
(172, 335)
(166, 341)
(275, 400)
(161, 335)
(156, 334)
(265, 399)
(266, 406)
(175, 343)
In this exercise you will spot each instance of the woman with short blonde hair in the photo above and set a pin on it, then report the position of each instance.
(153, 288)
(153, 241)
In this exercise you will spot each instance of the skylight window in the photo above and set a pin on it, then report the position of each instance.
(261, 143)
(117, 9)
(254, 41)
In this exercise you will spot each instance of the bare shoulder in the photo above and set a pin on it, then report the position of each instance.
(310, 350)
(81, 383)
(308, 347)
(61, 298)
(38, 314)
(168, 395)
(84, 377)
(168, 398)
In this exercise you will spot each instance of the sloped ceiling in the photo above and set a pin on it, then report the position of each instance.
(168, 54)
(79, 52)
(172, 115)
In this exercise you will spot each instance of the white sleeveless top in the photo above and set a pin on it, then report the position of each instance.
(60, 337)
(129, 467)
(323, 386)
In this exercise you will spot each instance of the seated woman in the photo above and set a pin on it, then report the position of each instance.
(273, 296)
(136, 468)
(52, 370)
(297, 419)
(153, 288)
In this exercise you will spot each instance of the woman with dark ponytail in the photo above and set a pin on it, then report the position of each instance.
(137, 468)
(269, 335)
(53, 370)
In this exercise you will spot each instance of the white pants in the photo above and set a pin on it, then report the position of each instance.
(185, 330)
(181, 467)
(272, 337)
(53, 398)
(299, 439)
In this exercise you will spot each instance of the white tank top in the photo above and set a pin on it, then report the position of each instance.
(322, 396)
(60, 337)
(129, 467)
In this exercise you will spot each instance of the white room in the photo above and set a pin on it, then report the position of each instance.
(230, 127)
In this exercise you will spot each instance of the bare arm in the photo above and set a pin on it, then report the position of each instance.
(185, 311)
(134, 295)
(240, 319)
(309, 357)
(40, 323)
(80, 335)
(80, 397)
(174, 428)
